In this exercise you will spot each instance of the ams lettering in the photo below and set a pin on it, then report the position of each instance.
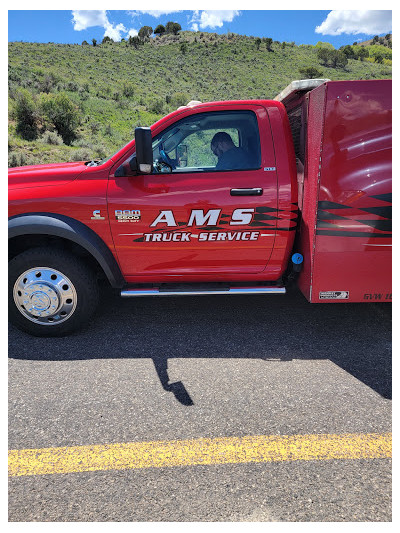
(199, 217)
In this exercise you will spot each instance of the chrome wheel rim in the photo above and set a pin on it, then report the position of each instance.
(45, 296)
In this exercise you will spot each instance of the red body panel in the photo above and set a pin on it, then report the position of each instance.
(346, 229)
(43, 175)
(77, 198)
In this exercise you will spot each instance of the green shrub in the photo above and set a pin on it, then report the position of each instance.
(13, 160)
(324, 55)
(173, 27)
(48, 83)
(94, 127)
(51, 137)
(27, 115)
(145, 32)
(100, 152)
(310, 72)
(108, 130)
(178, 99)
(359, 52)
(268, 43)
(59, 110)
(82, 154)
(17, 160)
(72, 86)
(157, 106)
(321, 44)
(159, 30)
(333, 58)
(128, 90)
(83, 94)
(380, 51)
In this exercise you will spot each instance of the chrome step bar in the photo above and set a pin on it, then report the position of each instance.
(129, 293)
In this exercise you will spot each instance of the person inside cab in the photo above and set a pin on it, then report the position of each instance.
(230, 157)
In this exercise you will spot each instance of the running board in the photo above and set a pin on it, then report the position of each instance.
(129, 293)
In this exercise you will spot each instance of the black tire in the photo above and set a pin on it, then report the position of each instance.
(51, 292)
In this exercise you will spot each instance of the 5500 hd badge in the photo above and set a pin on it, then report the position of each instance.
(127, 215)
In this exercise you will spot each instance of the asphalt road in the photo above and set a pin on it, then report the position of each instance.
(189, 368)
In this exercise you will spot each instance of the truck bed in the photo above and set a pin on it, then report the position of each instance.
(343, 138)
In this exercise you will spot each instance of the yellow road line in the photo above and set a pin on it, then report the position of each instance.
(205, 451)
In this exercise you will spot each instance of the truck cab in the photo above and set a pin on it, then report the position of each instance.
(194, 218)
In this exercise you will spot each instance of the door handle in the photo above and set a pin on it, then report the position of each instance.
(257, 191)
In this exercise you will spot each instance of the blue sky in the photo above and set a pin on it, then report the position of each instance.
(304, 27)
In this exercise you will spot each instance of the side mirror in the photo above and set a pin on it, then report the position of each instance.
(144, 150)
(142, 162)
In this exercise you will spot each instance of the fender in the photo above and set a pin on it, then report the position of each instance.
(72, 230)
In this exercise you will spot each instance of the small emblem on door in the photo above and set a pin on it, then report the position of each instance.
(97, 215)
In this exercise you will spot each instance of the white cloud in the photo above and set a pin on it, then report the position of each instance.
(154, 13)
(132, 32)
(353, 22)
(114, 32)
(212, 19)
(86, 19)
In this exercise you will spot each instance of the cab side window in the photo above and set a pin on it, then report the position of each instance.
(204, 142)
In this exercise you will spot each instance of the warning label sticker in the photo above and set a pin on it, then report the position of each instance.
(334, 295)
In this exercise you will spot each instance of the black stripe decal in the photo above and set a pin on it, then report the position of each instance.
(381, 225)
(263, 209)
(331, 205)
(325, 215)
(385, 211)
(322, 224)
(384, 197)
(262, 218)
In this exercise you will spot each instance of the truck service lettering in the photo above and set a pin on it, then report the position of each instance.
(230, 236)
(198, 217)
(167, 237)
(185, 236)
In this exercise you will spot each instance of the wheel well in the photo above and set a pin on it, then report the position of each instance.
(19, 244)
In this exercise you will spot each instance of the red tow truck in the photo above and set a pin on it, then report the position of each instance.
(306, 198)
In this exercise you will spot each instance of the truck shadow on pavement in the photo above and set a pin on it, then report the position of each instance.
(356, 337)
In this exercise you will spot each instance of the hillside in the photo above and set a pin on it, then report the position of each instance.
(385, 41)
(105, 91)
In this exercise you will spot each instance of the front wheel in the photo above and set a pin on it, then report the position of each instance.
(51, 292)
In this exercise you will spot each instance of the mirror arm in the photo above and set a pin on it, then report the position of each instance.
(128, 168)
(133, 164)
